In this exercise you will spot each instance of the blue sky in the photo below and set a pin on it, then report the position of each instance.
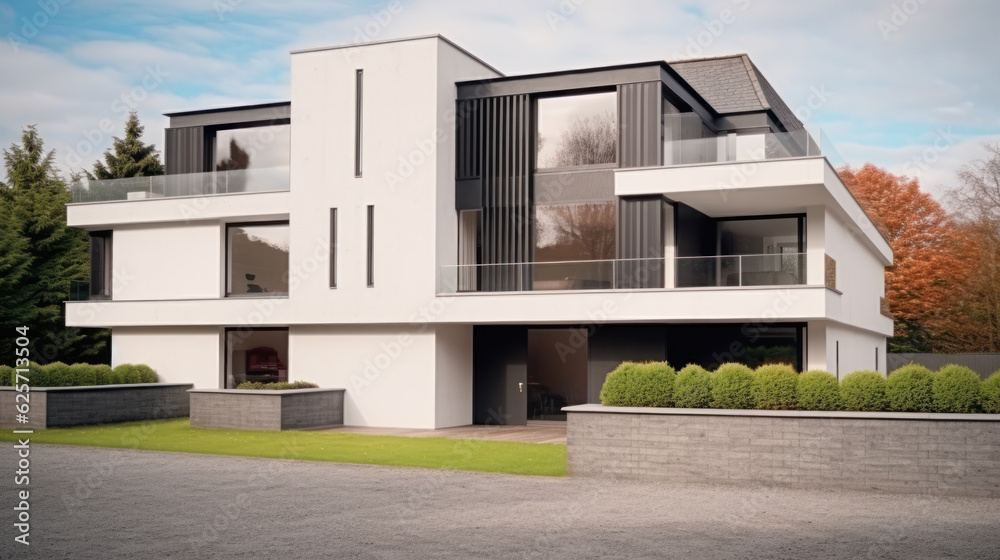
(912, 85)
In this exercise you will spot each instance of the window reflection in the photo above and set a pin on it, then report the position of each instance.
(253, 159)
(258, 260)
(577, 130)
(574, 246)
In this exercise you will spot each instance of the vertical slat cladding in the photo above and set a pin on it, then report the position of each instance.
(504, 152)
(638, 113)
(640, 236)
(184, 150)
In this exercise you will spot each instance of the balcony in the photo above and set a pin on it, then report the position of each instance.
(731, 271)
(254, 180)
(749, 147)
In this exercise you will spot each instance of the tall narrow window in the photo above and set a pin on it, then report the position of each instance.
(100, 265)
(333, 247)
(371, 246)
(358, 95)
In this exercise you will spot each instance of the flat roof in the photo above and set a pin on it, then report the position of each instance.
(228, 108)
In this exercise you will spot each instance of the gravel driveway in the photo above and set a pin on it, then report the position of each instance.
(107, 504)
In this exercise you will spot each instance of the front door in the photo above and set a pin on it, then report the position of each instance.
(500, 378)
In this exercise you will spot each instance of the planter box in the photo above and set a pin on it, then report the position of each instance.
(98, 404)
(924, 453)
(294, 409)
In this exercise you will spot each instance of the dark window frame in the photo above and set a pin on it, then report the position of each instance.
(333, 247)
(102, 273)
(534, 121)
(226, 259)
(359, 80)
(225, 348)
(208, 144)
(370, 252)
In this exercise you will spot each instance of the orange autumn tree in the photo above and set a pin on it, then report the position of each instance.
(933, 259)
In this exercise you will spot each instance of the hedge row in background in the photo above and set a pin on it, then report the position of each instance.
(911, 388)
(279, 386)
(58, 374)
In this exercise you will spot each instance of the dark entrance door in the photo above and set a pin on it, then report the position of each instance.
(557, 371)
(500, 375)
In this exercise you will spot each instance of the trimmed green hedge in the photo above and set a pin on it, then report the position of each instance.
(635, 384)
(775, 387)
(280, 386)
(58, 374)
(863, 391)
(991, 394)
(910, 389)
(693, 387)
(818, 390)
(956, 389)
(732, 386)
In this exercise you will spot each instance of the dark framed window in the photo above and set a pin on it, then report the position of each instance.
(333, 247)
(576, 130)
(370, 256)
(255, 354)
(257, 259)
(101, 275)
(359, 78)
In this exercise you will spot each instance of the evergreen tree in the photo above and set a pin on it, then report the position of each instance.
(129, 156)
(36, 200)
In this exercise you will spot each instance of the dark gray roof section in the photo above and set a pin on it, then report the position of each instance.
(229, 115)
(733, 84)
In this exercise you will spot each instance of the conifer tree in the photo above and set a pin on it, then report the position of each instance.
(129, 156)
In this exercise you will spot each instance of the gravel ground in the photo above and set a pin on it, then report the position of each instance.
(107, 504)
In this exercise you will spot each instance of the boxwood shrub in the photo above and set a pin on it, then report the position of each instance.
(58, 374)
(279, 386)
(134, 373)
(639, 384)
(863, 390)
(910, 389)
(732, 386)
(693, 387)
(956, 389)
(991, 394)
(775, 387)
(818, 390)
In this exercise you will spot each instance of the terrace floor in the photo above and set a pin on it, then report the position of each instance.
(537, 431)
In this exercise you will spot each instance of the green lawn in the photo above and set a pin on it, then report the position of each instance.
(438, 453)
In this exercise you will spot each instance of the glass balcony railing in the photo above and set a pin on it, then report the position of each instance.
(749, 147)
(615, 274)
(264, 179)
(741, 270)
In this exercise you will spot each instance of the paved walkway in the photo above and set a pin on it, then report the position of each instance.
(109, 504)
(537, 431)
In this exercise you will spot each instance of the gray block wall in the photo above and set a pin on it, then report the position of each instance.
(945, 457)
(267, 410)
(103, 404)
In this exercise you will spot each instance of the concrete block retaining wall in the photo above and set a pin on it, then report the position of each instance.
(945, 454)
(267, 410)
(100, 404)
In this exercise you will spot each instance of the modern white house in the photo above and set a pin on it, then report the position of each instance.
(454, 246)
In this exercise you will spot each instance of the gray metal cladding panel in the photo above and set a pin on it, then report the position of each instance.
(184, 150)
(639, 124)
(640, 236)
(506, 154)
(574, 186)
(468, 145)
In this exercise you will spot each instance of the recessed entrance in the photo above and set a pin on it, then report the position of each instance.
(557, 371)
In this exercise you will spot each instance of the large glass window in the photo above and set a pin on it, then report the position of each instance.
(257, 259)
(574, 246)
(577, 130)
(253, 159)
(256, 355)
(770, 249)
